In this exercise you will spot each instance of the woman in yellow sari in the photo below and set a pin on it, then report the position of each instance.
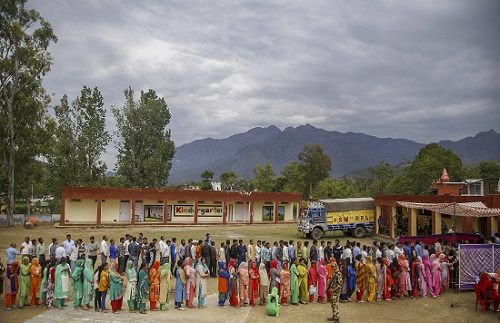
(302, 281)
(371, 279)
(154, 285)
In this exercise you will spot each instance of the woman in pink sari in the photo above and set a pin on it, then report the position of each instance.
(422, 277)
(191, 283)
(243, 282)
(428, 277)
(285, 277)
(404, 278)
(322, 274)
(436, 276)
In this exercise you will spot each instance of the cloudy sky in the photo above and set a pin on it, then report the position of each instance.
(421, 70)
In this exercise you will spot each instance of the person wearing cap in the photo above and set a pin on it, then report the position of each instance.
(335, 287)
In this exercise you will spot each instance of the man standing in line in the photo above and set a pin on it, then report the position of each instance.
(258, 249)
(25, 248)
(250, 251)
(52, 248)
(335, 288)
(93, 247)
(321, 250)
(11, 254)
(163, 246)
(40, 251)
(134, 250)
(173, 254)
(104, 249)
(121, 255)
(68, 243)
(182, 250)
(128, 240)
(291, 251)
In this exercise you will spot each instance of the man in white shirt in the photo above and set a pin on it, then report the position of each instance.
(73, 256)
(250, 251)
(222, 253)
(347, 253)
(321, 250)
(104, 249)
(398, 249)
(258, 249)
(286, 256)
(165, 253)
(390, 254)
(67, 244)
(128, 240)
(193, 251)
(162, 245)
(26, 248)
(60, 253)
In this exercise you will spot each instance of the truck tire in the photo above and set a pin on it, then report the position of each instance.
(358, 232)
(316, 233)
(347, 232)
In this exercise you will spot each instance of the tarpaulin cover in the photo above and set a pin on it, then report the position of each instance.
(475, 259)
(446, 237)
(344, 205)
(469, 209)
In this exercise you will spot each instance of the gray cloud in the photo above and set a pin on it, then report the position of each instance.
(422, 70)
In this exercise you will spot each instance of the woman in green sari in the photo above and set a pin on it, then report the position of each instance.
(273, 301)
(143, 288)
(116, 288)
(165, 279)
(43, 285)
(77, 282)
(131, 290)
(88, 284)
(61, 283)
(24, 283)
(294, 282)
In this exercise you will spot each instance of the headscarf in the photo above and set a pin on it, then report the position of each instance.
(35, 267)
(203, 265)
(425, 260)
(264, 280)
(243, 265)
(130, 271)
(232, 263)
(88, 269)
(165, 271)
(402, 260)
(273, 264)
(442, 258)
(253, 268)
(113, 270)
(322, 272)
(25, 268)
(78, 270)
(386, 261)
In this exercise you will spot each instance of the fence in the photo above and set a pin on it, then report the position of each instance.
(21, 218)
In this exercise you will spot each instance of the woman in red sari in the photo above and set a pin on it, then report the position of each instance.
(285, 277)
(313, 281)
(253, 294)
(389, 282)
(360, 279)
(154, 285)
(231, 268)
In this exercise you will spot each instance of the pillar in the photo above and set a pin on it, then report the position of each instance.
(412, 222)
(251, 212)
(224, 212)
(436, 223)
(275, 212)
(195, 220)
(493, 226)
(393, 216)
(165, 207)
(99, 211)
(378, 212)
(132, 211)
(62, 219)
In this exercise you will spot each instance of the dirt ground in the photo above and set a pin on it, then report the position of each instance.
(416, 310)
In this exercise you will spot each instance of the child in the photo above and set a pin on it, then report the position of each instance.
(223, 281)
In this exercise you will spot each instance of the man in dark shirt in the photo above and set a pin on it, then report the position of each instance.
(234, 250)
(313, 252)
(206, 251)
(337, 251)
(328, 251)
(242, 252)
(134, 251)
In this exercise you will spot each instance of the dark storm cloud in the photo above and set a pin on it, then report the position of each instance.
(422, 70)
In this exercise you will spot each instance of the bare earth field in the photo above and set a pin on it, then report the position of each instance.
(421, 310)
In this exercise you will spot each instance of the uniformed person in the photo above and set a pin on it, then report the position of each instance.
(335, 287)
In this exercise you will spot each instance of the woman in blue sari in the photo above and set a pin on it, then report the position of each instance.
(202, 274)
(180, 285)
(143, 288)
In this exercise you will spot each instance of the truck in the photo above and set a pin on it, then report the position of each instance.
(353, 216)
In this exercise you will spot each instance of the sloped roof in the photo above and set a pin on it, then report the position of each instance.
(469, 209)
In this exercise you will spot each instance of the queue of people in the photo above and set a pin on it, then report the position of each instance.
(269, 274)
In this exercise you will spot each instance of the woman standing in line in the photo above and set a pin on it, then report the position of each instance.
(436, 276)
(24, 283)
(180, 285)
(422, 277)
(202, 274)
(11, 285)
(43, 285)
(154, 285)
(263, 284)
(302, 281)
(415, 276)
(103, 285)
(389, 282)
(191, 282)
(88, 281)
(404, 276)
(285, 277)
(274, 274)
(61, 286)
(115, 289)
(294, 284)
(253, 293)
(427, 274)
(36, 279)
(51, 277)
(131, 290)
(77, 282)
(381, 278)
(322, 275)
(97, 293)
(233, 291)
(243, 282)
(165, 279)
(371, 279)
(142, 288)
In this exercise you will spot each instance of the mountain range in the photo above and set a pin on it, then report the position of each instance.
(348, 152)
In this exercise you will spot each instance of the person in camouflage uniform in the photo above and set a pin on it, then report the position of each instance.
(335, 288)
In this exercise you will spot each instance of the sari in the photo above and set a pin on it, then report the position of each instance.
(404, 276)
(61, 283)
(154, 285)
(360, 280)
(191, 282)
(294, 284)
(254, 283)
(142, 290)
(415, 277)
(115, 288)
(24, 282)
(77, 282)
(436, 276)
(302, 281)
(233, 290)
(243, 281)
(371, 279)
(263, 283)
(202, 274)
(389, 282)
(88, 288)
(180, 286)
(274, 274)
(131, 290)
(428, 276)
(165, 279)
(36, 279)
(285, 284)
(322, 275)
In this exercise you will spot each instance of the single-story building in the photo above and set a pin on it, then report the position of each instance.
(136, 206)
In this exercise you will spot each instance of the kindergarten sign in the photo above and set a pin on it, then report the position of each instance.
(203, 210)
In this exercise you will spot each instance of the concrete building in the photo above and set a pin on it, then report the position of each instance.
(131, 206)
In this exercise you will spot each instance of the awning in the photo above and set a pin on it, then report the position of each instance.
(469, 209)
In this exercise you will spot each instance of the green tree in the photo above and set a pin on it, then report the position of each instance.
(489, 169)
(24, 59)
(330, 188)
(228, 180)
(263, 177)
(314, 165)
(428, 166)
(206, 183)
(81, 139)
(291, 179)
(383, 175)
(145, 150)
